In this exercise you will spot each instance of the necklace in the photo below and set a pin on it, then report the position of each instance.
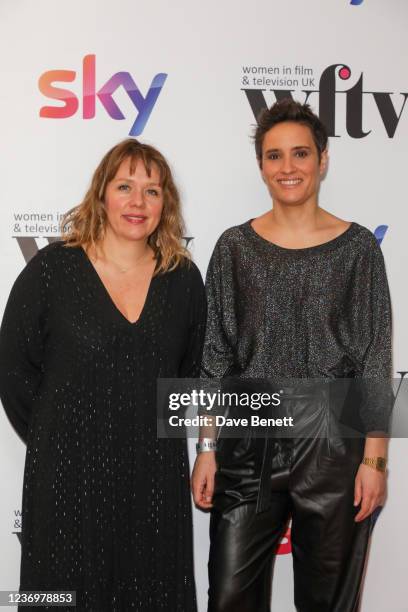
(123, 269)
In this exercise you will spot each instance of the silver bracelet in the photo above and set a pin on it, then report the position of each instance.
(206, 445)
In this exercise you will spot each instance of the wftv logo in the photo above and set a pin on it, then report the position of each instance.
(17, 524)
(327, 94)
(143, 104)
(29, 247)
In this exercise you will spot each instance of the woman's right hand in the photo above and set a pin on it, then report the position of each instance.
(202, 479)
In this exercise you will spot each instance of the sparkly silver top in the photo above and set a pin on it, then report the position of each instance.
(317, 312)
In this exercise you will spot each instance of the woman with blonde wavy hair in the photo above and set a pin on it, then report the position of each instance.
(91, 323)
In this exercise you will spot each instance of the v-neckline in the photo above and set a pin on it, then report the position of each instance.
(108, 296)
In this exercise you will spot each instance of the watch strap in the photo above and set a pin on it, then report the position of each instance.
(378, 463)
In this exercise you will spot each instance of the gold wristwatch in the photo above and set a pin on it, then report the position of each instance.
(378, 463)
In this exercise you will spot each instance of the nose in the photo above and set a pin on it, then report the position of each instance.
(137, 198)
(287, 164)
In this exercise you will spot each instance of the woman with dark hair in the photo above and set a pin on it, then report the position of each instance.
(91, 323)
(296, 295)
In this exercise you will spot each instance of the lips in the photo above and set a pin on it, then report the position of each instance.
(135, 219)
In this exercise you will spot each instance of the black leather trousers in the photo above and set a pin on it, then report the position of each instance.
(308, 479)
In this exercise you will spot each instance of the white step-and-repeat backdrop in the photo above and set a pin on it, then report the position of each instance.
(190, 77)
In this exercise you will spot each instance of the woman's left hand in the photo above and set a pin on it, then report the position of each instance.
(369, 491)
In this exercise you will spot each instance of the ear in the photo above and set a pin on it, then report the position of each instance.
(324, 161)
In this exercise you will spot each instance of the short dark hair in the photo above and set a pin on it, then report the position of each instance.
(289, 110)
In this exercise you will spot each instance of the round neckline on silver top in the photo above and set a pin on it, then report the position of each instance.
(328, 245)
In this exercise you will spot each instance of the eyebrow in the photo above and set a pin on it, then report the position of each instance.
(130, 180)
(292, 149)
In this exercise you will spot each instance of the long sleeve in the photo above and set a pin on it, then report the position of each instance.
(21, 347)
(377, 364)
(190, 366)
(218, 356)
(378, 357)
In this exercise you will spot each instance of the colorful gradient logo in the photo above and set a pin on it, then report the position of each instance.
(143, 104)
(380, 232)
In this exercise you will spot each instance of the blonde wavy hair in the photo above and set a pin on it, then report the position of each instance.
(85, 224)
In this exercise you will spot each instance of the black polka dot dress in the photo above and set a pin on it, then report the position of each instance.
(106, 505)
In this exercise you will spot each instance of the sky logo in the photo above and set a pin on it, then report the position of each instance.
(380, 232)
(143, 104)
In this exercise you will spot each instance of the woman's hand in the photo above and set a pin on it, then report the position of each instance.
(369, 491)
(202, 479)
